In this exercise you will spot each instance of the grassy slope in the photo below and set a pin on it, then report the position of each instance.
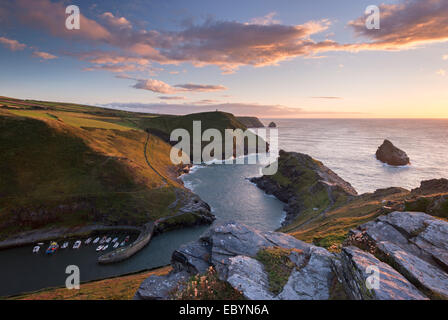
(120, 288)
(69, 164)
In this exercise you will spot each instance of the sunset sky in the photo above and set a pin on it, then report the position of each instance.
(272, 59)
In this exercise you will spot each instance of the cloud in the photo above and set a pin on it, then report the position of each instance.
(155, 86)
(36, 15)
(44, 55)
(120, 23)
(206, 101)
(200, 87)
(405, 25)
(441, 72)
(11, 44)
(162, 87)
(171, 98)
(265, 20)
(230, 45)
(110, 57)
(445, 57)
(113, 68)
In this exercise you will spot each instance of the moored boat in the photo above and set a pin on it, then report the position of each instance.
(114, 239)
(52, 248)
(108, 240)
(100, 247)
(65, 245)
(96, 240)
(116, 244)
(103, 240)
(77, 244)
(105, 247)
(36, 249)
(88, 241)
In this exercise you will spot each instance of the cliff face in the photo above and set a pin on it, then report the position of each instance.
(306, 186)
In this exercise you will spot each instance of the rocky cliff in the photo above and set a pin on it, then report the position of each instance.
(307, 187)
(408, 250)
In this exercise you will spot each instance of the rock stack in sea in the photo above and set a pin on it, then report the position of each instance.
(390, 154)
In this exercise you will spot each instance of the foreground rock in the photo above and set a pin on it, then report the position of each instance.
(413, 243)
(391, 155)
(409, 251)
(305, 185)
(232, 249)
(391, 286)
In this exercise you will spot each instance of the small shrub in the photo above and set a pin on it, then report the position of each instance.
(207, 286)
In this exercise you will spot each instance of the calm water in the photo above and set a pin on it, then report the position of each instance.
(232, 196)
(346, 146)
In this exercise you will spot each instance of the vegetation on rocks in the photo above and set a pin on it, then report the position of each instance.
(206, 286)
(277, 265)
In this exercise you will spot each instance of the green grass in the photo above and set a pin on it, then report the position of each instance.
(60, 168)
(277, 265)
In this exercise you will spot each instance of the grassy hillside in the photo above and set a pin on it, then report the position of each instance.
(120, 288)
(68, 164)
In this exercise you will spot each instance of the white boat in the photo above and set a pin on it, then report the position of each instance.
(40, 244)
(122, 243)
(96, 240)
(65, 245)
(103, 240)
(116, 244)
(105, 247)
(88, 241)
(77, 244)
(108, 240)
(36, 249)
(100, 247)
(115, 240)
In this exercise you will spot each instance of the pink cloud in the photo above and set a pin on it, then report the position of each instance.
(162, 87)
(405, 25)
(44, 55)
(121, 23)
(11, 44)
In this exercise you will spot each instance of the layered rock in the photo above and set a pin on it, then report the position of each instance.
(390, 154)
(354, 269)
(413, 243)
(305, 185)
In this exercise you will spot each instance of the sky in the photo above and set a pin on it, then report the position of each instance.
(271, 59)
